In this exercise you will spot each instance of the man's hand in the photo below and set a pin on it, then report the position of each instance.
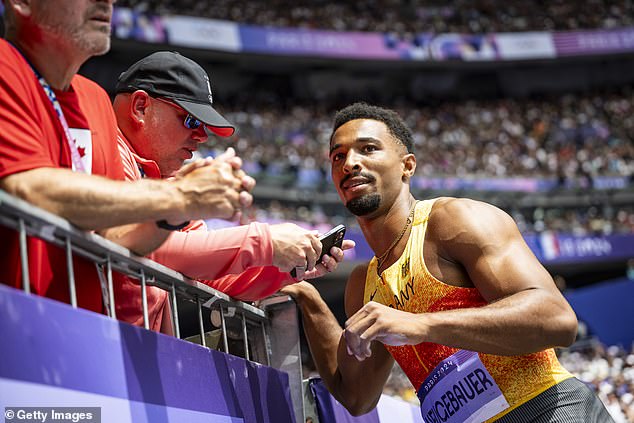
(214, 188)
(329, 262)
(377, 322)
(294, 247)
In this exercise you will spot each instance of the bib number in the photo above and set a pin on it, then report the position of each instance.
(460, 389)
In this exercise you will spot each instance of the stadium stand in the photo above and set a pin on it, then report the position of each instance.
(405, 17)
(549, 141)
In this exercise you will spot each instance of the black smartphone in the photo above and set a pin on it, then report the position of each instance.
(332, 238)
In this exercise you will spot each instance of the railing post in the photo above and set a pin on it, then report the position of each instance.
(265, 341)
(146, 319)
(113, 312)
(24, 258)
(71, 274)
(245, 337)
(177, 326)
(203, 341)
(225, 342)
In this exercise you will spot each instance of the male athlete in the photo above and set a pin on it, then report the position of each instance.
(453, 294)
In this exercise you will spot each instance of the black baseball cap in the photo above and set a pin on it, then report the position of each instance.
(171, 75)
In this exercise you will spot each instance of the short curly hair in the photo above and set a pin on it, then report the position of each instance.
(390, 118)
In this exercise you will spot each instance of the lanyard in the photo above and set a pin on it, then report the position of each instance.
(78, 164)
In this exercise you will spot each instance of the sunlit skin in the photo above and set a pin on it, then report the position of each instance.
(156, 128)
(58, 36)
(169, 141)
(82, 24)
(367, 160)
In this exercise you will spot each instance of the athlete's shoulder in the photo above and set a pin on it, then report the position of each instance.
(456, 222)
(463, 210)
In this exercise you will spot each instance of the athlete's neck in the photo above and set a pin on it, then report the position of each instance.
(381, 231)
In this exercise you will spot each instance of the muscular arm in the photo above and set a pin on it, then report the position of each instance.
(526, 313)
(355, 384)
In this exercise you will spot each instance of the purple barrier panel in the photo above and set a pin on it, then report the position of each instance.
(579, 43)
(292, 41)
(135, 374)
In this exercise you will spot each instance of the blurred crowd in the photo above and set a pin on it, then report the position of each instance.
(570, 140)
(406, 17)
(609, 372)
(578, 221)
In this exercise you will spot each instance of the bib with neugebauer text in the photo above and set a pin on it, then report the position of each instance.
(460, 389)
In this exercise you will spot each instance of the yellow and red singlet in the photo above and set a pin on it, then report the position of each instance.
(407, 285)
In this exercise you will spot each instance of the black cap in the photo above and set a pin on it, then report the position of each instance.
(171, 75)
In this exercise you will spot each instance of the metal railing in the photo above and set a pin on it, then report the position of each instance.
(29, 220)
(269, 333)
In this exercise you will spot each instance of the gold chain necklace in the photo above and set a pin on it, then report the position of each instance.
(410, 219)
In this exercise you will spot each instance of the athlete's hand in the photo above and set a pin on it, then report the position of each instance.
(377, 322)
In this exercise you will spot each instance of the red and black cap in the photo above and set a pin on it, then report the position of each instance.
(173, 76)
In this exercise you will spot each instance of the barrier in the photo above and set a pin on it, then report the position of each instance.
(47, 353)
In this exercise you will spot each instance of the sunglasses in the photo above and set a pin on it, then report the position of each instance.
(190, 121)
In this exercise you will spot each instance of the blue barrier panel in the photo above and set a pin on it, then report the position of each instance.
(607, 310)
(57, 356)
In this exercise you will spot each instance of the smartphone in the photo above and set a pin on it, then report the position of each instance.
(332, 238)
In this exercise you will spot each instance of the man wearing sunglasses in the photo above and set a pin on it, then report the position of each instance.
(163, 105)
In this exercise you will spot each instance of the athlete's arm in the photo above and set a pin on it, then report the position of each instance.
(355, 384)
(526, 312)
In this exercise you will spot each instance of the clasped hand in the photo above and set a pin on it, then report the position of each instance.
(216, 188)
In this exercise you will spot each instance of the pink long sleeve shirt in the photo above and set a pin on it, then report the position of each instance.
(236, 261)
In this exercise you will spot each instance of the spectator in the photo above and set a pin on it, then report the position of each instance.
(58, 149)
(163, 110)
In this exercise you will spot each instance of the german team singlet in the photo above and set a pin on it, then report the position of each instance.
(454, 385)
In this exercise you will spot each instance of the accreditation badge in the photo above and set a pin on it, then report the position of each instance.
(83, 142)
(460, 389)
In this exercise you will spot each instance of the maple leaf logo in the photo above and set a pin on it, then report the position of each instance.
(81, 151)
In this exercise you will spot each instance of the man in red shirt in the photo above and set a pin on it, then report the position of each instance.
(58, 149)
(162, 111)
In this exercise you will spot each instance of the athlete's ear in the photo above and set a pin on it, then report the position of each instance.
(409, 166)
(139, 105)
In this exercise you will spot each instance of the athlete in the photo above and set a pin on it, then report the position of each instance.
(453, 294)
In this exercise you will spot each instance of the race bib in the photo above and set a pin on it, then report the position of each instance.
(460, 389)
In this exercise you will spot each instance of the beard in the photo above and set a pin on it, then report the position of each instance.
(364, 204)
(73, 27)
